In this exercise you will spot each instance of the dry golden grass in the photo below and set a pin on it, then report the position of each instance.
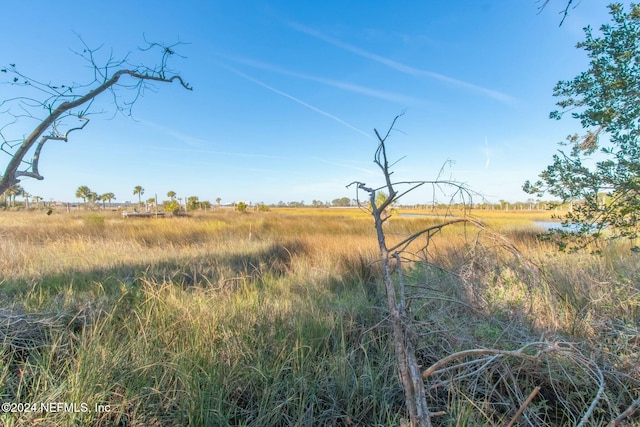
(277, 318)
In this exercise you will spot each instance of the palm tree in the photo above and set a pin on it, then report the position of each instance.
(83, 192)
(139, 191)
(218, 200)
(12, 192)
(107, 197)
(93, 197)
(171, 195)
(151, 202)
(191, 203)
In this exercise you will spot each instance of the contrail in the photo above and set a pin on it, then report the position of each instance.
(293, 98)
(344, 165)
(399, 66)
(486, 152)
(187, 139)
(375, 93)
(217, 152)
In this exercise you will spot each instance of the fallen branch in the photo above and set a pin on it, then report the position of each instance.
(485, 351)
(626, 414)
(524, 405)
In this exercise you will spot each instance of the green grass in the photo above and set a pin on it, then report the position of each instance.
(277, 319)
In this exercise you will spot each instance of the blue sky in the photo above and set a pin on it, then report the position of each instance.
(286, 94)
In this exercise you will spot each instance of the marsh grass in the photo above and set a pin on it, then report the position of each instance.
(277, 318)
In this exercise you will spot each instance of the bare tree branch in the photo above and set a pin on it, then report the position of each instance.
(62, 102)
(564, 12)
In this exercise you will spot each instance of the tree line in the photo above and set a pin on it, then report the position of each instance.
(174, 204)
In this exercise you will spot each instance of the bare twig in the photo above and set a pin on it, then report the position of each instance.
(596, 399)
(564, 12)
(524, 405)
(484, 351)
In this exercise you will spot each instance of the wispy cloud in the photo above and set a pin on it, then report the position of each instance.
(293, 98)
(217, 152)
(486, 152)
(187, 139)
(346, 165)
(398, 66)
(364, 90)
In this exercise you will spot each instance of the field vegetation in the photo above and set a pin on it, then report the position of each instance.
(278, 319)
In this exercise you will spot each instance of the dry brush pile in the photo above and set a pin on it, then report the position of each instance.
(524, 337)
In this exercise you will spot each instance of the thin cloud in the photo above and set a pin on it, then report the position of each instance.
(344, 165)
(486, 152)
(406, 69)
(187, 139)
(293, 98)
(216, 152)
(374, 93)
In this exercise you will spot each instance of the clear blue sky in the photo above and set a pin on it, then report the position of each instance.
(287, 94)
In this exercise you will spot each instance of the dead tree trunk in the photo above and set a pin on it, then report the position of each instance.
(403, 337)
(408, 368)
(410, 373)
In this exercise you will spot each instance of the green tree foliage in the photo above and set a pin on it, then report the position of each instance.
(93, 197)
(83, 192)
(344, 201)
(606, 101)
(242, 207)
(172, 207)
(193, 203)
(107, 197)
(171, 195)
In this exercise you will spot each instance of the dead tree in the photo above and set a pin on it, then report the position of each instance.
(59, 110)
(408, 367)
(483, 371)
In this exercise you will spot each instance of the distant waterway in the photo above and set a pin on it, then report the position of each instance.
(544, 225)
(555, 225)
(414, 215)
(421, 215)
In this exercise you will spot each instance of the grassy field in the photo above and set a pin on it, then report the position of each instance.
(278, 319)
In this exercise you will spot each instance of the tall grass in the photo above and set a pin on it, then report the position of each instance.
(276, 318)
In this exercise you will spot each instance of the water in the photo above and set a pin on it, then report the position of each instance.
(420, 215)
(544, 225)
(555, 225)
